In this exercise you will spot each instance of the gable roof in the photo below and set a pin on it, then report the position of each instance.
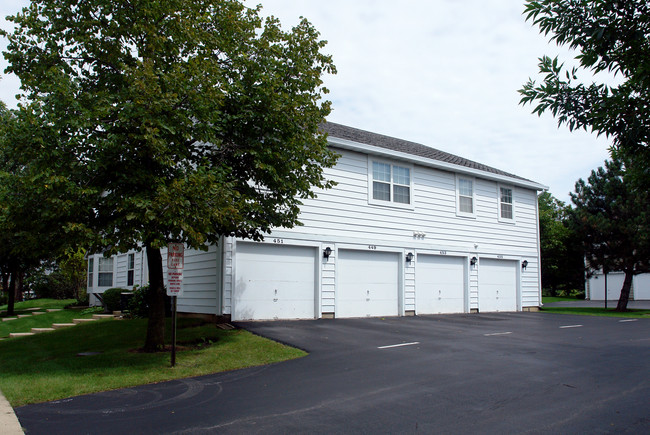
(394, 145)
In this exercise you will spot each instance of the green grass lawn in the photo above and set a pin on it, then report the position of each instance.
(47, 366)
(549, 299)
(594, 311)
(590, 311)
(43, 320)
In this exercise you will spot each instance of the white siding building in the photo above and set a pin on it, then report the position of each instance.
(408, 230)
(595, 287)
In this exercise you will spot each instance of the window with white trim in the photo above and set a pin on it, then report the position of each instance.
(91, 270)
(130, 269)
(105, 272)
(391, 184)
(506, 204)
(465, 197)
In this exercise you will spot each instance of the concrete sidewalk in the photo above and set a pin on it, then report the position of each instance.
(8, 421)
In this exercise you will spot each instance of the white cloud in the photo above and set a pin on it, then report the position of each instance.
(444, 73)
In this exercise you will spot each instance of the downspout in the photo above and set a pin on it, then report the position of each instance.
(539, 249)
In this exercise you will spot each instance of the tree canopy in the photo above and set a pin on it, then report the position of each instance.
(612, 217)
(180, 120)
(561, 250)
(37, 202)
(611, 37)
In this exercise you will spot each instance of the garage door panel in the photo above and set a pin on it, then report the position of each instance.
(497, 285)
(440, 284)
(368, 284)
(641, 287)
(274, 282)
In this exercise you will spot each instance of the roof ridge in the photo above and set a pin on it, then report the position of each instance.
(409, 147)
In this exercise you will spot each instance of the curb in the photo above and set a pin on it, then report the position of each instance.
(8, 420)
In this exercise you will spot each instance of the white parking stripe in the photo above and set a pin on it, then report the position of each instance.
(398, 345)
(628, 320)
(497, 333)
(570, 326)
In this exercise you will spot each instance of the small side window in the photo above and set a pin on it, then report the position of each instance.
(130, 270)
(91, 272)
(506, 204)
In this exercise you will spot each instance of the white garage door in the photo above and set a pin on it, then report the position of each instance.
(614, 285)
(274, 282)
(367, 284)
(439, 284)
(497, 285)
(641, 287)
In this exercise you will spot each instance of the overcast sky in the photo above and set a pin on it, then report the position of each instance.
(444, 73)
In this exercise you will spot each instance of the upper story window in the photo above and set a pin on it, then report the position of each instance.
(391, 184)
(91, 271)
(105, 272)
(506, 205)
(465, 193)
(130, 269)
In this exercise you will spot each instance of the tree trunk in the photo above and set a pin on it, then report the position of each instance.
(5, 282)
(20, 296)
(625, 291)
(11, 294)
(156, 326)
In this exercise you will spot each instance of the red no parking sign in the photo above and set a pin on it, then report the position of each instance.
(175, 264)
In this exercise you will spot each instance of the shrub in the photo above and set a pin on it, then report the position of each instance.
(139, 303)
(111, 299)
(50, 286)
(83, 300)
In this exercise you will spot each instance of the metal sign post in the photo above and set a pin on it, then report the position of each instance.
(173, 331)
(175, 264)
(605, 289)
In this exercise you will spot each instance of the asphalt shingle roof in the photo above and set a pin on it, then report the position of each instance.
(404, 146)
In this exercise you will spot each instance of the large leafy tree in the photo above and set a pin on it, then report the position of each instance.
(187, 119)
(611, 37)
(37, 202)
(612, 217)
(561, 250)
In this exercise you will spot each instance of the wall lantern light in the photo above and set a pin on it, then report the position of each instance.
(473, 261)
(327, 252)
(524, 264)
(409, 257)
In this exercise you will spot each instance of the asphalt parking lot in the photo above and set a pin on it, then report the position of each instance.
(476, 373)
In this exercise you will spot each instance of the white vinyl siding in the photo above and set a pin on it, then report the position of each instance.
(342, 215)
(201, 281)
(390, 184)
(342, 219)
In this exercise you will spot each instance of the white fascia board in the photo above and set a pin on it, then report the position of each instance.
(423, 161)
